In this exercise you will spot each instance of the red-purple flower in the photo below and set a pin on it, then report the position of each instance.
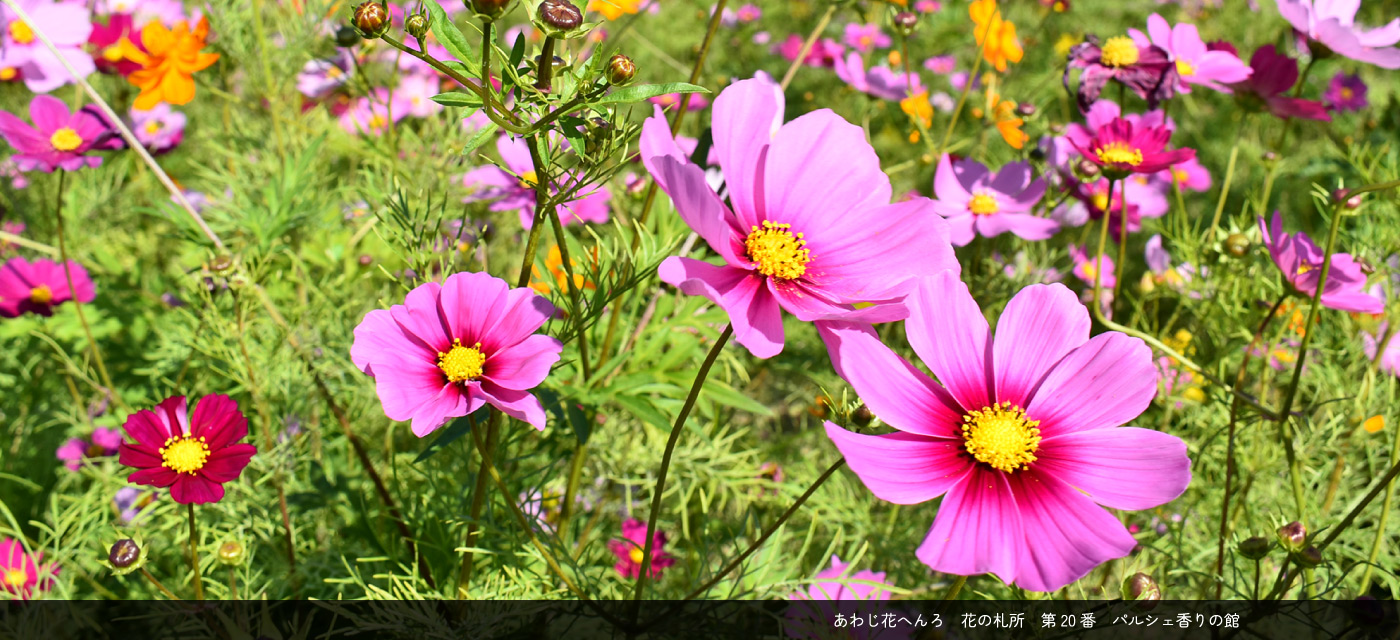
(1266, 89)
(631, 549)
(1124, 148)
(39, 286)
(21, 573)
(1300, 260)
(976, 201)
(823, 53)
(1346, 92)
(105, 44)
(59, 139)
(449, 349)
(1144, 69)
(195, 454)
(879, 81)
(105, 442)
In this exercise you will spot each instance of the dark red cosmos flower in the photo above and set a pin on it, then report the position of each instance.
(105, 44)
(1266, 89)
(194, 455)
(1146, 70)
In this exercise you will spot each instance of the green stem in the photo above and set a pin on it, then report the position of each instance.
(807, 46)
(954, 590)
(488, 102)
(574, 295)
(464, 574)
(111, 389)
(194, 555)
(962, 99)
(1120, 268)
(158, 585)
(1225, 186)
(566, 512)
(1103, 241)
(544, 70)
(675, 436)
(1379, 540)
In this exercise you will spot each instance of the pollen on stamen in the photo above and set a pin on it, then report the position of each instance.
(1001, 436)
(777, 252)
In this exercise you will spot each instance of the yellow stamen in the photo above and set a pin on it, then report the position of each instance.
(377, 122)
(529, 179)
(462, 363)
(41, 294)
(982, 205)
(16, 578)
(1119, 153)
(113, 54)
(184, 454)
(777, 252)
(1119, 51)
(1185, 68)
(8, 73)
(635, 555)
(1101, 201)
(1304, 268)
(65, 139)
(153, 127)
(21, 32)
(1347, 93)
(1001, 436)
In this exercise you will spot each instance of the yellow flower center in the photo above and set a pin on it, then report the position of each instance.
(184, 454)
(333, 72)
(982, 205)
(529, 179)
(1347, 93)
(895, 59)
(8, 73)
(377, 122)
(462, 363)
(1119, 153)
(1304, 268)
(1185, 68)
(113, 53)
(777, 252)
(635, 555)
(153, 127)
(41, 294)
(21, 32)
(16, 578)
(65, 139)
(1001, 436)
(865, 41)
(1101, 201)
(1119, 51)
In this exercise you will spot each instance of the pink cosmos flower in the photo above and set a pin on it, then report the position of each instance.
(695, 101)
(1300, 260)
(39, 286)
(320, 78)
(1086, 268)
(1390, 360)
(195, 454)
(811, 230)
(942, 65)
(976, 201)
(1090, 201)
(630, 549)
(451, 348)
(20, 572)
(835, 584)
(513, 188)
(67, 24)
(12, 228)
(865, 37)
(824, 52)
(1144, 69)
(1191, 175)
(59, 139)
(160, 129)
(104, 443)
(1023, 434)
(880, 82)
(1332, 23)
(1120, 147)
(418, 89)
(1267, 88)
(1195, 63)
(374, 114)
(1346, 92)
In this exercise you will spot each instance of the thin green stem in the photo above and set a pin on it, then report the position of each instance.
(488, 102)
(659, 490)
(1225, 186)
(544, 70)
(111, 389)
(194, 555)
(1379, 540)
(566, 512)
(962, 99)
(10, 238)
(1103, 241)
(807, 46)
(954, 590)
(575, 296)
(479, 489)
(158, 585)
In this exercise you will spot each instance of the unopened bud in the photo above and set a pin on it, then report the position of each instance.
(1025, 109)
(1309, 557)
(1237, 244)
(489, 10)
(1088, 169)
(1270, 157)
(905, 22)
(1255, 548)
(416, 25)
(862, 415)
(371, 19)
(366, 260)
(560, 15)
(125, 556)
(231, 553)
(1346, 199)
(1141, 587)
(1293, 536)
(621, 70)
(347, 36)
(1037, 154)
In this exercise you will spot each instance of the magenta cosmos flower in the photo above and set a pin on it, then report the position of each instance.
(976, 201)
(195, 454)
(105, 442)
(1195, 62)
(1332, 23)
(39, 286)
(1390, 360)
(880, 81)
(67, 25)
(1023, 434)
(823, 53)
(21, 573)
(1346, 92)
(59, 139)
(513, 188)
(811, 230)
(1124, 148)
(1267, 88)
(1300, 260)
(631, 549)
(451, 348)
(1144, 69)
(865, 37)
(834, 584)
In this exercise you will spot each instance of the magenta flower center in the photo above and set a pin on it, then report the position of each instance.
(460, 363)
(1119, 153)
(1001, 436)
(16, 578)
(777, 252)
(41, 294)
(21, 32)
(1119, 51)
(184, 454)
(982, 205)
(65, 139)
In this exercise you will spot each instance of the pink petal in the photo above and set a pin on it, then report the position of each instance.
(49, 114)
(1066, 534)
(946, 185)
(154, 477)
(744, 119)
(949, 332)
(405, 387)
(1105, 383)
(192, 489)
(137, 456)
(450, 402)
(20, 135)
(700, 208)
(418, 317)
(820, 170)
(520, 405)
(902, 468)
(977, 530)
(471, 303)
(379, 338)
(520, 315)
(897, 392)
(1125, 468)
(878, 253)
(1040, 325)
(525, 365)
(754, 311)
(1023, 225)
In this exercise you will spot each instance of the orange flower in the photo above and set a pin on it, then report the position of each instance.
(554, 261)
(1374, 424)
(995, 37)
(919, 108)
(1002, 114)
(613, 9)
(168, 63)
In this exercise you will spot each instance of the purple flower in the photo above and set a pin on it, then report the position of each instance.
(1331, 23)
(880, 82)
(865, 37)
(942, 65)
(824, 52)
(1191, 175)
(319, 78)
(1300, 260)
(694, 101)
(67, 25)
(1085, 268)
(1144, 69)
(834, 584)
(131, 501)
(104, 443)
(1195, 62)
(1390, 361)
(1266, 89)
(1346, 92)
(976, 201)
(160, 129)
(59, 139)
(374, 114)
(513, 188)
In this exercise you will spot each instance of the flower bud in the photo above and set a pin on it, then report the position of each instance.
(1088, 169)
(621, 70)
(371, 19)
(1025, 109)
(1309, 557)
(231, 553)
(416, 25)
(1255, 548)
(126, 556)
(1237, 244)
(560, 15)
(1293, 536)
(905, 22)
(862, 416)
(346, 36)
(1037, 154)
(1141, 587)
(489, 10)
(1270, 157)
